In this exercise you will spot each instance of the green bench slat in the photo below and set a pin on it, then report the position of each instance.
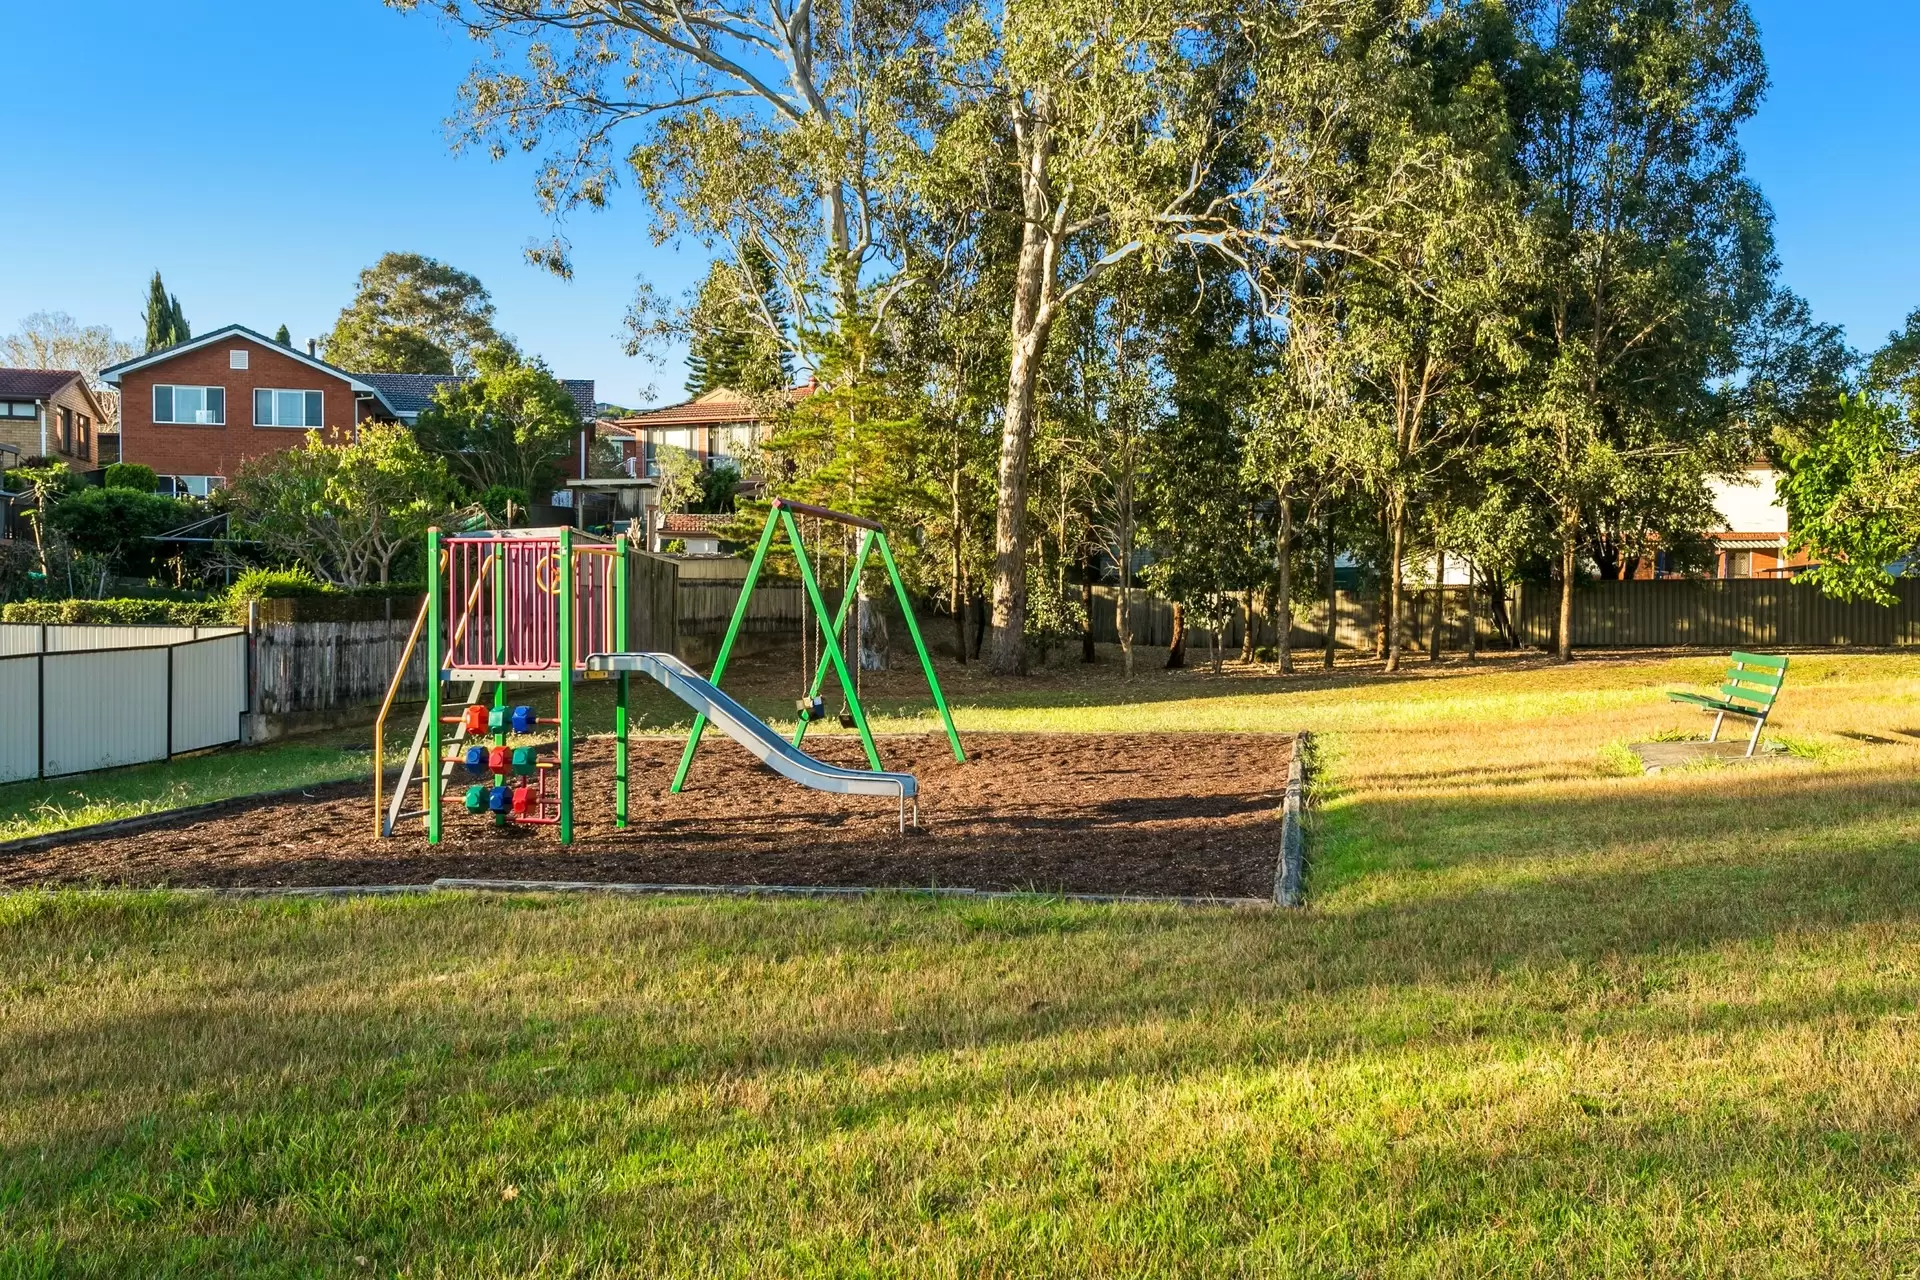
(1759, 701)
(1715, 704)
(1751, 686)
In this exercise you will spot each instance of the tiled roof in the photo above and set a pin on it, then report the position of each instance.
(408, 393)
(694, 522)
(33, 384)
(712, 409)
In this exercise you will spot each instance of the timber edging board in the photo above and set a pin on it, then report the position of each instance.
(1289, 877)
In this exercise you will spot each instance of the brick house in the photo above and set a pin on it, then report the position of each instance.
(718, 428)
(195, 411)
(1752, 539)
(52, 413)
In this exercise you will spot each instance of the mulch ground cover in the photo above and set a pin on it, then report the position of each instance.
(1182, 814)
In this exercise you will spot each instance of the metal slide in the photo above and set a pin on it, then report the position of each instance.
(747, 729)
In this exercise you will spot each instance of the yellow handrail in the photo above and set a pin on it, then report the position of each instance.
(386, 705)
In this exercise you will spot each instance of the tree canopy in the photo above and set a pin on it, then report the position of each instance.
(413, 314)
(1200, 289)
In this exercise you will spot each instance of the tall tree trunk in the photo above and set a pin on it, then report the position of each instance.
(981, 615)
(1283, 600)
(959, 583)
(1333, 599)
(1472, 620)
(1569, 551)
(1439, 604)
(1124, 620)
(1248, 633)
(1032, 318)
(1177, 643)
(1087, 653)
(1397, 543)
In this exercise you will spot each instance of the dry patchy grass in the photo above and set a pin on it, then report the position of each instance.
(1543, 1018)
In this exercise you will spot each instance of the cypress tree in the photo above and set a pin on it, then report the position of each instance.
(282, 336)
(166, 324)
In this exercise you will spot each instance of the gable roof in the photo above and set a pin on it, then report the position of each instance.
(402, 395)
(720, 405)
(35, 384)
(44, 384)
(113, 373)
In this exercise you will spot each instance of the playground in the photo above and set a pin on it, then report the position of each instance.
(1191, 815)
(527, 635)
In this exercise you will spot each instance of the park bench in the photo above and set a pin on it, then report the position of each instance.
(1752, 683)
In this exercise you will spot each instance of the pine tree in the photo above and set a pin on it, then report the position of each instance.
(731, 345)
(283, 336)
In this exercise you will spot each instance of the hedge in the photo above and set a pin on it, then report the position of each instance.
(169, 613)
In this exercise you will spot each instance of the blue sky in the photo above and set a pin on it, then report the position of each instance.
(260, 154)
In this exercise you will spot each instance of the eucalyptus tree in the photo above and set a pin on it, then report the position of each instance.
(1649, 252)
(1144, 129)
(742, 123)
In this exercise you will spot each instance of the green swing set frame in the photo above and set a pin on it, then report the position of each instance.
(872, 537)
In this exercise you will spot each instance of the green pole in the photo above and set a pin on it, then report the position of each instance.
(726, 645)
(621, 688)
(833, 650)
(435, 622)
(499, 654)
(920, 647)
(563, 604)
(848, 594)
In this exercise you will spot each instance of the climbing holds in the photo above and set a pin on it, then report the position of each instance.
(523, 720)
(476, 760)
(476, 799)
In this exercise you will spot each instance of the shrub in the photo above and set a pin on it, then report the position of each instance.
(118, 524)
(176, 613)
(276, 584)
(132, 475)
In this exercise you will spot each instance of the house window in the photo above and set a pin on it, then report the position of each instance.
(18, 408)
(191, 486)
(200, 406)
(236, 359)
(286, 408)
(63, 431)
(84, 435)
(1740, 564)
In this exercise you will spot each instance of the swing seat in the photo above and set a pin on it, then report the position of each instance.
(812, 708)
(846, 718)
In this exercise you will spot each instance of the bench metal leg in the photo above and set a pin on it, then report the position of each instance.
(1754, 741)
(1715, 735)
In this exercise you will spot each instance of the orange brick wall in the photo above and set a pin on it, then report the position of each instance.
(185, 449)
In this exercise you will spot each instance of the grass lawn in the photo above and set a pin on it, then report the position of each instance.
(36, 808)
(1544, 1017)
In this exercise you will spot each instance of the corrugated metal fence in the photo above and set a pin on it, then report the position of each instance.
(74, 698)
(1753, 613)
(1723, 613)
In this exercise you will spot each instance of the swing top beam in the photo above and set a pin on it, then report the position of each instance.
(825, 513)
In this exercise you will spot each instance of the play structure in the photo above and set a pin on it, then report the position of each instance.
(552, 607)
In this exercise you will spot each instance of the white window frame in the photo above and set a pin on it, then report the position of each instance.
(172, 388)
(276, 393)
(237, 358)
